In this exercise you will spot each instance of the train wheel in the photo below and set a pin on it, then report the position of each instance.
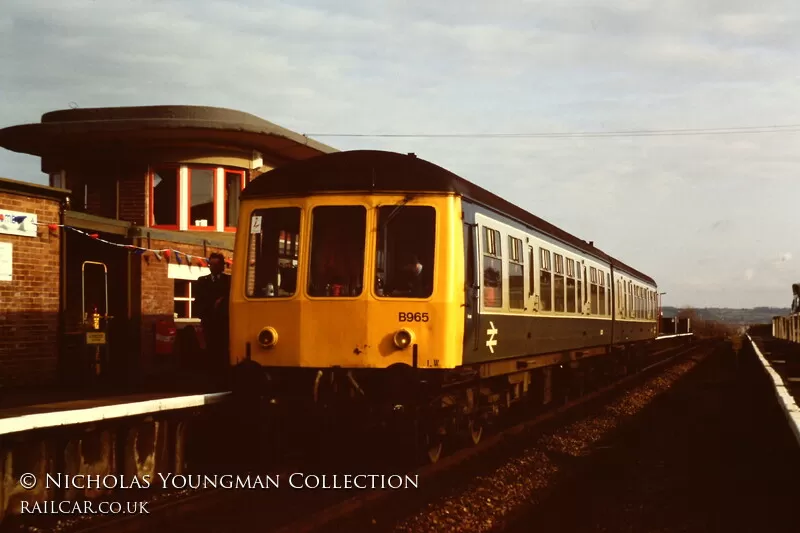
(475, 431)
(434, 448)
(432, 443)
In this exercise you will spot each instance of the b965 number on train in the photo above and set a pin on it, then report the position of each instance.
(412, 317)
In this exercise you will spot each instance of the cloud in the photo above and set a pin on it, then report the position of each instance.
(679, 207)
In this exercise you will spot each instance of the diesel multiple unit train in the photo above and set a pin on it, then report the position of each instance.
(389, 287)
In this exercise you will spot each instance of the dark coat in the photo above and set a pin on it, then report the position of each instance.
(206, 292)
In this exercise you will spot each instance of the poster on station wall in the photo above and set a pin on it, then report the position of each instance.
(5, 261)
(18, 223)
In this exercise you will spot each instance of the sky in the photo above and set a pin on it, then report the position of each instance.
(711, 218)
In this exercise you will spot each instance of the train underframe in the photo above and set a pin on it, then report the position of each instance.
(422, 408)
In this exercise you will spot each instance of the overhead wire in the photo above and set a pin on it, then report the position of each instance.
(786, 128)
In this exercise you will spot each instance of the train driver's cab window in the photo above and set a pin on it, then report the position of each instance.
(545, 280)
(336, 266)
(406, 249)
(273, 253)
(492, 268)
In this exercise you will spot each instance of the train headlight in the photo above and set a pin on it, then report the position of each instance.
(403, 339)
(268, 337)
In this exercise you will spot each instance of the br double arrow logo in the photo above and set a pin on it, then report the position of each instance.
(492, 332)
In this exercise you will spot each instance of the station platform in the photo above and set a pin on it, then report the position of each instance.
(781, 361)
(32, 416)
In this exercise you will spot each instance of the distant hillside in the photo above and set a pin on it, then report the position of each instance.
(726, 315)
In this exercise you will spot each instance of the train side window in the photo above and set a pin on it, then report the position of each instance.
(630, 299)
(492, 268)
(608, 294)
(336, 268)
(558, 283)
(570, 285)
(405, 251)
(273, 253)
(531, 272)
(601, 293)
(579, 287)
(593, 289)
(545, 280)
(516, 274)
(639, 302)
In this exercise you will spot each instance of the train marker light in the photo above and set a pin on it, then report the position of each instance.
(403, 339)
(268, 337)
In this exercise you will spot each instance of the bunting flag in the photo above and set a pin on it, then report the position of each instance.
(166, 253)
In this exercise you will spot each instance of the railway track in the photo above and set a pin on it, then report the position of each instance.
(285, 509)
(357, 513)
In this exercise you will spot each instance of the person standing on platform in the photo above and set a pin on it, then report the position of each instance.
(212, 293)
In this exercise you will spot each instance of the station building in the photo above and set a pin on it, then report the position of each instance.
(95, 265)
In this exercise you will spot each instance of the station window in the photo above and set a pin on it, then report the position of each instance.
(273, 252)
(516, 274)
(183, 299)
(601, 293)
(492, 268)
(558, 283)
(164, 197)
(593, 289)
(234, 183)
(336, 266)
(545, 279)
(406, 236)
(208, 204)
(570, 285)
(201, 198)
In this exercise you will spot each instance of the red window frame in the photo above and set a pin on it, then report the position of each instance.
(188, 214)
(242, 184)
(185, 216)
(151, 203)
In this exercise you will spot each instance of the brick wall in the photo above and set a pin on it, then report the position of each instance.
(133, 192)
(158, 290)
(100, 194)
(29, 304)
